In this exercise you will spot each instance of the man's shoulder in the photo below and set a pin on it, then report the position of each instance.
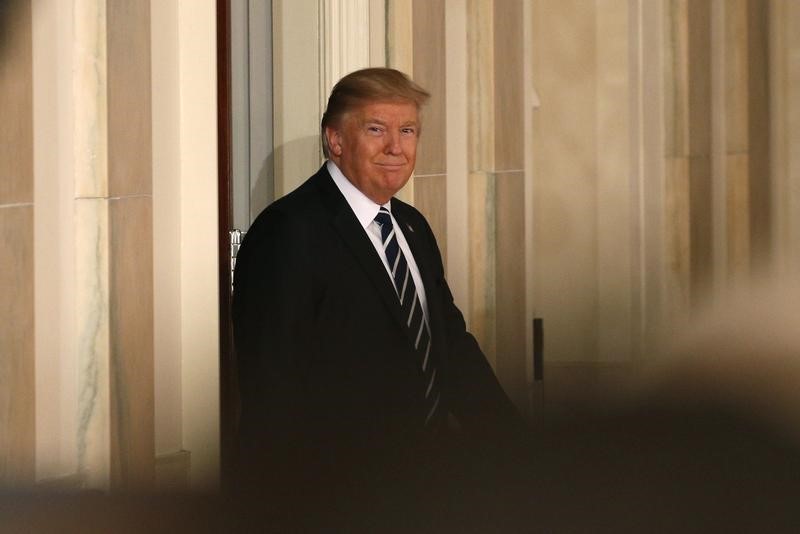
(295, 214)
(308, 198)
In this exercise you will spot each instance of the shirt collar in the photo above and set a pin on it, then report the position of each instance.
(364, 208)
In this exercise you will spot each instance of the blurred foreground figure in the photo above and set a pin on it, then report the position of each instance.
(707, 443)
(742, 354)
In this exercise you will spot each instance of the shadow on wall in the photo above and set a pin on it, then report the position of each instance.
(293, 162)
(263, 191)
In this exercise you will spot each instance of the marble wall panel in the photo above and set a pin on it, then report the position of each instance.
(566, 266)
(481, 84)
(90, 92)
(615, 218)
(131, 329)
(699, 67)
(430, 198)
(736, 74)
(677, 237)
(565, 77)
(16, 103)
(758, 133)
(508, 69)
(429, 71)
(129, 100)
(132, 415)
(511, 294)
(793, 85)
(482, 289)
(565, 178)
(792, 92)
(701, 231)
(738, 217)
(688, 124)
(400, 34)
(17, 380)
(676, 78)
(92, 340)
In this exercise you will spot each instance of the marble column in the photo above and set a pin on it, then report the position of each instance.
(113, 236)
(91, 241)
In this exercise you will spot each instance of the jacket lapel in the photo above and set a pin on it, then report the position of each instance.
(353, 235)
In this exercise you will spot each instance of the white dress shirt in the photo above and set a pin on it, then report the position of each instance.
(366, 210)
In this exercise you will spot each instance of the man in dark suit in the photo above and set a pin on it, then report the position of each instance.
(351, 353)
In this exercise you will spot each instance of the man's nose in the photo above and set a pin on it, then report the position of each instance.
(393, 143)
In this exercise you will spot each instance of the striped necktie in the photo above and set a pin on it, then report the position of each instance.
(411, 308)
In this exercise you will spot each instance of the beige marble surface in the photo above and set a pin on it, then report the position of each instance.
(677, 238)
(482, 279)
(761, 232)
(792, 135)
(738, 220)
(510, 236)
(92, 340)
(480, 81)
(17, 336)
(736, 70)
(17, 401)
(698, 65)
(510, 284)
(129, 101)
(616, 215)
(113, 160)
(16, 93)
(430, 198)
(676, 78)
(130, 248)
(54, 230)
(566, 141)
(131, 369)
(400, 55)
(508, 87)
(429, 71)
(90, 99)
(701, 237)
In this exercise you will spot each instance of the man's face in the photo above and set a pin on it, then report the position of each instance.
(375, 146)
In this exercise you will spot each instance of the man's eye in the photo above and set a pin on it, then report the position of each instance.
(375, 129)
(408, 131)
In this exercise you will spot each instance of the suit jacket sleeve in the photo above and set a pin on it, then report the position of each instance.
(476, 398)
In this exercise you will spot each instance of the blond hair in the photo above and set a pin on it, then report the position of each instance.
(374, 84)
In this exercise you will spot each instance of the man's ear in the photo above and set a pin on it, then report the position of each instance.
(334, 138)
